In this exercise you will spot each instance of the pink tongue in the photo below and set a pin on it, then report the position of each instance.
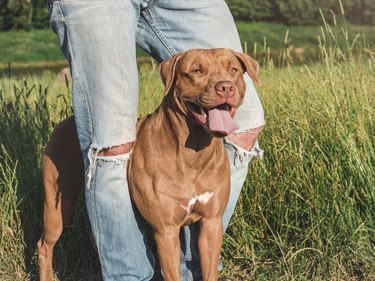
(221, 121)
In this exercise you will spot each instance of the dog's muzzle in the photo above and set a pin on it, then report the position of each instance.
(218, 119)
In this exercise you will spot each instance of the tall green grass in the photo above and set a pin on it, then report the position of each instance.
(302, 40)
(307, 211)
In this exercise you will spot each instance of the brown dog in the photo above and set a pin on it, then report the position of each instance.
(178, 172)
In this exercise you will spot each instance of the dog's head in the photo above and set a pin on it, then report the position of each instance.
(208, 85)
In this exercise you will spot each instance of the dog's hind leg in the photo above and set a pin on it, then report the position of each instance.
(209, 242)
(63, 180)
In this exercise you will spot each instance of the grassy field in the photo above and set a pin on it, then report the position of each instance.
(301, 40)
(307, 211)
(26, 48)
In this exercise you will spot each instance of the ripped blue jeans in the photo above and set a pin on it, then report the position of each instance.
(99, 38)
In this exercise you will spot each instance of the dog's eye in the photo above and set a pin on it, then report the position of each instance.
(233, 70)
(196, 71)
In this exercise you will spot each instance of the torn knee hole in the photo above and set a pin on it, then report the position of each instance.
(118, 154)
(247, 139)
(116, 150)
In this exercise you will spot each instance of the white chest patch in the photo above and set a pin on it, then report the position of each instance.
(202, 198)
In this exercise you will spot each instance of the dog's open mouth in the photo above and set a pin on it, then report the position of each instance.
(217, 119)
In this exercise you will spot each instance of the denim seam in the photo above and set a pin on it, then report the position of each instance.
(95, 214)
(157, 31)
(148, 6)
(188, 256)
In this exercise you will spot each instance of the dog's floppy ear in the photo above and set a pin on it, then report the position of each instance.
(167, 71)
(251, 66)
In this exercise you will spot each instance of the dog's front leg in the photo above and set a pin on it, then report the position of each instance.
(209, 241)
(168, 244)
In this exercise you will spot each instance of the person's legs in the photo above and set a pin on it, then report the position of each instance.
(168, 27)
(98, 39)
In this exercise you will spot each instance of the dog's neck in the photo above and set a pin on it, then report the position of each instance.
(186, 133)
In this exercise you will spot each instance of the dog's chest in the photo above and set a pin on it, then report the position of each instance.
(204, 195)
(200, 199)
(180, 182)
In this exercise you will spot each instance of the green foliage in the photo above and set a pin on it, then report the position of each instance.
(15, 14)
(40, 14)
(297, 12)
(23, 14)
(254, 10)
(362, 11)
(27, 14)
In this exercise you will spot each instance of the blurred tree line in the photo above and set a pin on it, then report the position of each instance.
(27, 14)
(23, 14)
(302, 12)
